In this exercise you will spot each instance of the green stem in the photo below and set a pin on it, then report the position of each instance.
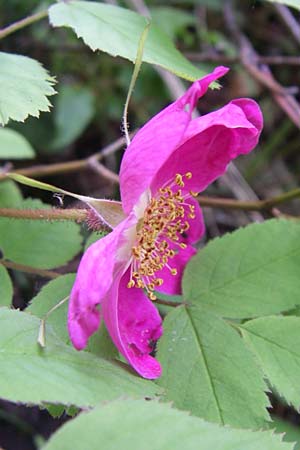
(22, 23)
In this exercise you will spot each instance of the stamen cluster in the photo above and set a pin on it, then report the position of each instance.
(159, 233)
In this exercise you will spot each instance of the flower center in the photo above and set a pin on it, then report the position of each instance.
(159, 234)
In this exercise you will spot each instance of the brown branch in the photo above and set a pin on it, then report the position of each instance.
(81, 215)
(77, 215)
(22, 23)
(69, 166)
(287, 17)
(259, 72)
(27, 269)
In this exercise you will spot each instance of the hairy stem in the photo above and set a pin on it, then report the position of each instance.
(22, 23)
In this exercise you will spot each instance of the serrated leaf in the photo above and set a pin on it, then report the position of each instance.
(36, 243)
(117, 31)
(251, 272)
(74, 109)
(14, 146)
(57, 373)
(142, 425)
(276, 343)
(291, 431)
(292, 3)
(24, 87)
(6, 287)
(10, 194)
(49, 296)
(207, 370)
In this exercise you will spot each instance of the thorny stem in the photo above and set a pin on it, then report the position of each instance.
(28, 269)
(22, 23)
(81, 215)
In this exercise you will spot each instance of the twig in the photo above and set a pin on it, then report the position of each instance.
(261, 73)
(103, 171)
(27, 269)
(70, 166)
(22, 23)
(288, 18)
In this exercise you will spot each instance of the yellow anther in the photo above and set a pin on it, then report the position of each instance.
(152, 296)
(173, 272)
(159, 281)
(194, 194)
(188, 175)
(182, 245)
(130, 284)
(178, 180)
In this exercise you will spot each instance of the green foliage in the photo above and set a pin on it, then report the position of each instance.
(57, 373)
(291, 432)
(117, 31)
(6, 291)
(24, 87)
(49, 296)
(39, 244)
(171, 20)
(137, 424)
(73, 111)
(292, 3)
(208, 371)
(276, 343)
(10, 195)
(251, 272)
(14, 146)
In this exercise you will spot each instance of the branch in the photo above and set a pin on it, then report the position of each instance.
(71, 166)
(22, 23)
(27, 269)
(82, 215)
(261, 73)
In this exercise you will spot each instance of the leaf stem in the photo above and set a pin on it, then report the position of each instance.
(22, 23)
(28, 269)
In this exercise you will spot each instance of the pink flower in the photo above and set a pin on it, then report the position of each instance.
(170, 158)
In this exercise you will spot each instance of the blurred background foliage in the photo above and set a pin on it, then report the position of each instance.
(87, 111)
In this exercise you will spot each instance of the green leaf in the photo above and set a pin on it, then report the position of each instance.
(117, 31)
(6, 290)
(291, 432)
(49, 296)
(37, 243)
(139, 424)
(276, 343)
(58, 373)
(73, 111)
(292, 3)
(207, 370)
(171, 20)
(251, 272)
(10, 195)
(24, 87)
(14, 146)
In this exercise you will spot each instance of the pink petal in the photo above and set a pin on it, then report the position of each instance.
(211, 142)
(157, 140)
(172, 284)
(94, 278)
(134, 325)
